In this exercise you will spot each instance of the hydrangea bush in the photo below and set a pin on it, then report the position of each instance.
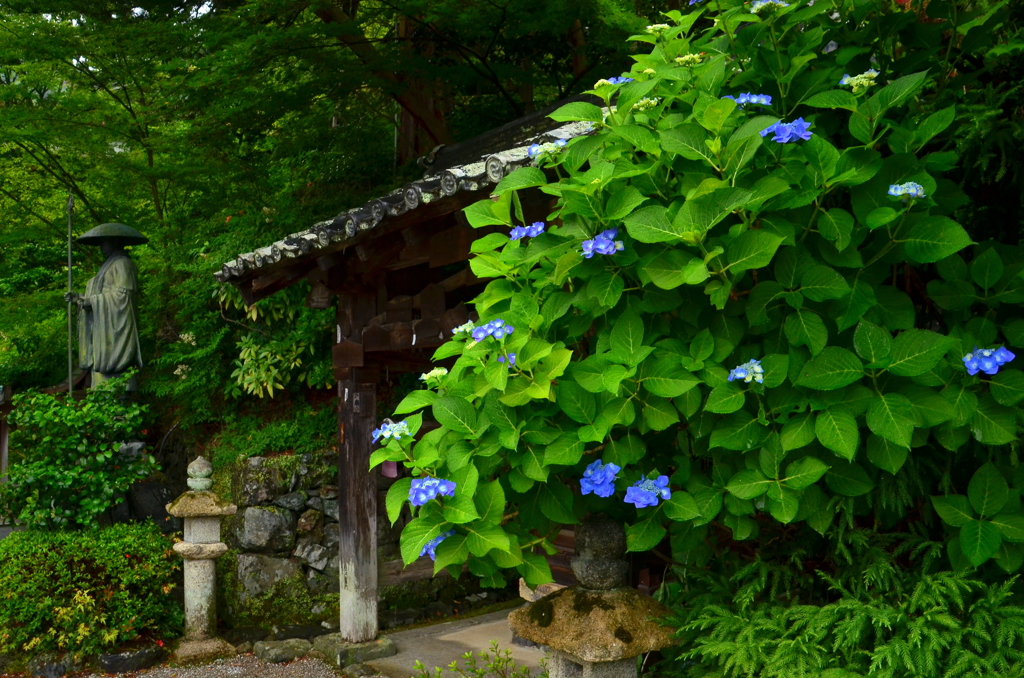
(781, 332)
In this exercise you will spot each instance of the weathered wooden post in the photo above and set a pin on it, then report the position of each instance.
(357, 513)
(202, 510)
(357, 486)
(356, 641)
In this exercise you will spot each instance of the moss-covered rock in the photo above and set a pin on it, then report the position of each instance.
(281, 599)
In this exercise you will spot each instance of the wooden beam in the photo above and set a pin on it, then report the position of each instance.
(402, 336)
(369, 374)
(265, 285)
(399, 309)
(347, 354)
(450, 246)
(453, 318)
(319, 296)
(463, 278)
(430, 301)
(402, 361)
(376, 338)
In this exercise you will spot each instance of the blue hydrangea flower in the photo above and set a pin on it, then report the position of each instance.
(646, 492)
(434, 376)
(861, 82)
(496, 328)
(747, 372)
(694, 2)
(540, 149)
(599, 478)
(425, 489)
(759, 6)
(751, 99)
(788, 132)
(987, 360)
(619, 81)
(908, 190)
(602, 243)
(430, 548)
(531, 231)
(390, 429)
(511, 359)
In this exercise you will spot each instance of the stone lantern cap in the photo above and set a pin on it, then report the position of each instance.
(200, 505)
(595, 626)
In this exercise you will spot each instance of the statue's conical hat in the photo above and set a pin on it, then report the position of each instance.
(126, 234)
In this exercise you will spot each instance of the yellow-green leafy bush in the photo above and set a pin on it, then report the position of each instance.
(87, 592)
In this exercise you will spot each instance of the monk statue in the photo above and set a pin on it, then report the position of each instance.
(108, 325)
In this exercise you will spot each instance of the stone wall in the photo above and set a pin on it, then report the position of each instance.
(283, 563)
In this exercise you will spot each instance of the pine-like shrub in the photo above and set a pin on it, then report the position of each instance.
(878, 604)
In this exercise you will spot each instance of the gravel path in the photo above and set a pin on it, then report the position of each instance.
(243, 666)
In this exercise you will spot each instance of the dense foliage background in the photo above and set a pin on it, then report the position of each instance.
(217, 127)
(214, 127)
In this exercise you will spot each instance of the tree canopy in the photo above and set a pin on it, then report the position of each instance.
(214, 127)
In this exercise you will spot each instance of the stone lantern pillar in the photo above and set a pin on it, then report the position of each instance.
(598, 628)
(201, 510)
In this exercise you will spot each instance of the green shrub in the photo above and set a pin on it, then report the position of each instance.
(737, 299)
(87, 592)
(297, 428)
(67, 466)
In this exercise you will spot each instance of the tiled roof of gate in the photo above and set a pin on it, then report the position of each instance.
(485, 169)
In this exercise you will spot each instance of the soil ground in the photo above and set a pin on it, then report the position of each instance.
(433, 645)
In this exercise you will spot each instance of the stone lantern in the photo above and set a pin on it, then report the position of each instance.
(598, 628)
(201, 510)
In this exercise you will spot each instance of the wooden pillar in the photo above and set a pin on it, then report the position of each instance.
(357, 485)
(357, 511)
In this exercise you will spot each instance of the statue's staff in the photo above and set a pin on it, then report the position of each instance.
(71, 360)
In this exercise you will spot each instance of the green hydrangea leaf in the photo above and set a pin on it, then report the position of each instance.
(886, 454)
(934, 237)
(646, 534)
(752, 249)
(748, 484)
(833, 368)
(954, 509)
(871, 342)
(837, 430)
(725, 399)
(849, 479)
(992, 423)
(915, 352)
(804, 472)
(891, 417)
(1007, 387)
(979, 541)
(988, 490)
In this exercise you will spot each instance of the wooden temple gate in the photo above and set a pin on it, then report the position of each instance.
(398, 270)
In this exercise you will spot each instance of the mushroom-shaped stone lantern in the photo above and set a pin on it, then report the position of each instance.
(598, 628)
(202, 511)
